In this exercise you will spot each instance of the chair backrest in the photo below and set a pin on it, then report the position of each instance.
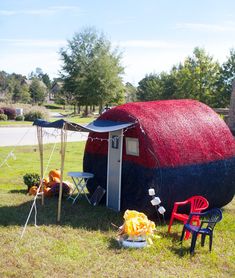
(213, 216)
(198, 203)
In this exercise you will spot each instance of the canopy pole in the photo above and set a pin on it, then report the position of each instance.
(62, 153)
(40, 145)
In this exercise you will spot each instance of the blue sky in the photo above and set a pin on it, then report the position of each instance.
(152, 34)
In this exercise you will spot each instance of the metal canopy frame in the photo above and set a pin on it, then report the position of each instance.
(100, 126)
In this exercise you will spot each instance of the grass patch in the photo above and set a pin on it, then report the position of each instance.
(15, 123)
(80, 120)
(84, 244)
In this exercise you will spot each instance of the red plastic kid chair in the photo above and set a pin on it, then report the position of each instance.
(197, 204)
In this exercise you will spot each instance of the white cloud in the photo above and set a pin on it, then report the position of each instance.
(48, 11)
(34, 43)
(149, 44)
(24, 63)
(223, 27)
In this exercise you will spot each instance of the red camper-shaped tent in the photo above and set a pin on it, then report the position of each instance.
(180, 148)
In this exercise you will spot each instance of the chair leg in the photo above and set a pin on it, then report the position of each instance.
(203, 240)
(187, 235)
(170, 224)
(193, 243)
(182, 235)
(210, 244)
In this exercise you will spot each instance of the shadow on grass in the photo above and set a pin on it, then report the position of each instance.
(114, 244)
(173, 236)
(18, 191)
(81, 214)
(179, 250)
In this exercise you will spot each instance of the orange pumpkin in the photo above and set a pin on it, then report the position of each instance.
(33, 190)
(54, 174)
(45, 181)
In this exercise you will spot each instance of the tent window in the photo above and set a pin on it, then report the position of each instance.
(132, 146)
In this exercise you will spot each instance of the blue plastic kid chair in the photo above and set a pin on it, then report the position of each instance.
(210, 217)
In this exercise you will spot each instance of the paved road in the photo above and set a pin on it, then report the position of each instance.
(20, 136)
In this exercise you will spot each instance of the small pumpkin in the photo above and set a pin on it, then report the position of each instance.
(54, 174)
(33, 190)
(45, 181)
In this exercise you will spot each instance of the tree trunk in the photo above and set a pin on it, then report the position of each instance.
(86, 110)
(100, 107)
(79, 109)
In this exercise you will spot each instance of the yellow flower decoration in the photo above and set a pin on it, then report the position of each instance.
(137, 224)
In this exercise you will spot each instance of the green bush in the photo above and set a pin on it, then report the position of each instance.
(31, 179)
(34, 115)
(53, 106)
(19, 118)
(3, 117)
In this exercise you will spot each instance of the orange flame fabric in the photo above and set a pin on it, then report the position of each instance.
(137, 224)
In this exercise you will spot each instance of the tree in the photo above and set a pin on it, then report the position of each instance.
(91, 71)
(198, 77)
(227, 75)
(130, 92)
(149, 88)
(37, 91)
(157, 86)
(44, 77)
(46, 80)
(25, 94)
(3, 81)
(167, 84)
(14, 88)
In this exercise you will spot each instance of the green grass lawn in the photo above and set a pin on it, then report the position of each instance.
(14, 123)
(80, 120)
(83, 244)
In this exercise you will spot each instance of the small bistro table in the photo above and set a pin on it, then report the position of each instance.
(80, 181)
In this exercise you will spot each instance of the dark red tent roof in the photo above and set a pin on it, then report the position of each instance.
(185, 149)
(171, 132)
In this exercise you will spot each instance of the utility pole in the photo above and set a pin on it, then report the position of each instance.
(231, 115)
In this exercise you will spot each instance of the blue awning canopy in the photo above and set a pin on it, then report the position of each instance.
(95, 126)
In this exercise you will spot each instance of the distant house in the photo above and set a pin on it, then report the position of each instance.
(55, 89)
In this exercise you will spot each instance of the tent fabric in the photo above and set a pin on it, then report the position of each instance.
(100, 126)
(185, 149)
(177, 133)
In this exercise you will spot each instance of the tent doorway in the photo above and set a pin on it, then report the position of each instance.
(114, 172)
